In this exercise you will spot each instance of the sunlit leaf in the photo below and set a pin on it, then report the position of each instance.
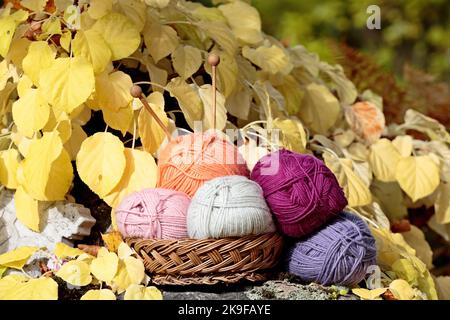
(9, 162)
(39, 57)
(91, 45)
(101, 294)
(244, 21)
(68, 82)
(186, 60)
(140, 172)
(17, 258)
(119, 33)
(139, 292)
(152, 135)
(417, 176)
(76, 273)
(101, 162)
(27, 209)
(190, 102)
(320, 109)
(383, 159)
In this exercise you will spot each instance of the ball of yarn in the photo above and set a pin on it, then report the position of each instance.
(190, 160)
(153, 214)
(228, 206)
(301, 191)
(340, 253)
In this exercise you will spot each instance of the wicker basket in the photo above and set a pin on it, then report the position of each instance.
(209, 261)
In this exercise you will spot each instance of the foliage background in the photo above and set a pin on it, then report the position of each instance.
(413, 31)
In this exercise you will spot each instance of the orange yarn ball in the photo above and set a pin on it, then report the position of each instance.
(190, 160)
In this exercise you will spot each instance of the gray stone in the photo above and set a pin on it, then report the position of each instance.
(61, 221)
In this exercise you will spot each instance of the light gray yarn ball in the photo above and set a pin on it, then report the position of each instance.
(231, 206)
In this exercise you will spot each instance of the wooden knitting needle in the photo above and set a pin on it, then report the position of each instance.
(136, 92)
(214, 60)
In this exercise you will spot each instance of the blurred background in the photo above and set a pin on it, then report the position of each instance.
(416, 32)
(406, 62)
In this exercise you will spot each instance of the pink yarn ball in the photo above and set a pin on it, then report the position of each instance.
(153, 214)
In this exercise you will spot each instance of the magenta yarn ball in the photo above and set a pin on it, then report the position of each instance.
(301, 191)
(153, 213)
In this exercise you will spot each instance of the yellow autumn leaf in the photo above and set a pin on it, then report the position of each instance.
(77, 137)
(101, 162)
(356, 191)
(22, 143)
(150, 132)
(75, 272)
(31, 112)
(221, 34)
(43, 288)
(367, 294)
(112, 240)
(9, 283)
(292, 93)
(383, 159)
(68, 82)
(293, 136)
(51, 27)
(39, 57)
(47, 169)
(443, 286)
(120, 119)
(401, 289)
(91, 45)
(85, 257)
(244, 20)
(9, 162)
(270, 59)
(161, 40)
(66, 40)
(404, 145)
(17, 258)
(186, 60)
(416, 239)
(112, 91)
(124, 250)
(188, 99)
(5, 74)
(135, 10)
(24, 85)
(27, 209)
(417, 176)
(161, 4)
(442, 204)
(139, 292)
(206, 92)
(104, 267)
(59, 122)
(131, 271)
(34, 5)
(8, 25)
(18, 50)
(140, 173)
(7, 30)
(98, 8)
(63, 251)
(101, 294)
(119, 33)
(320, 108)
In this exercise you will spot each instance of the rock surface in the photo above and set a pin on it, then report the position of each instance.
(61, 222)
(286, 288)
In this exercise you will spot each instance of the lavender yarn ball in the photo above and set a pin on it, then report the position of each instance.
(338, 254)
(301, 191)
